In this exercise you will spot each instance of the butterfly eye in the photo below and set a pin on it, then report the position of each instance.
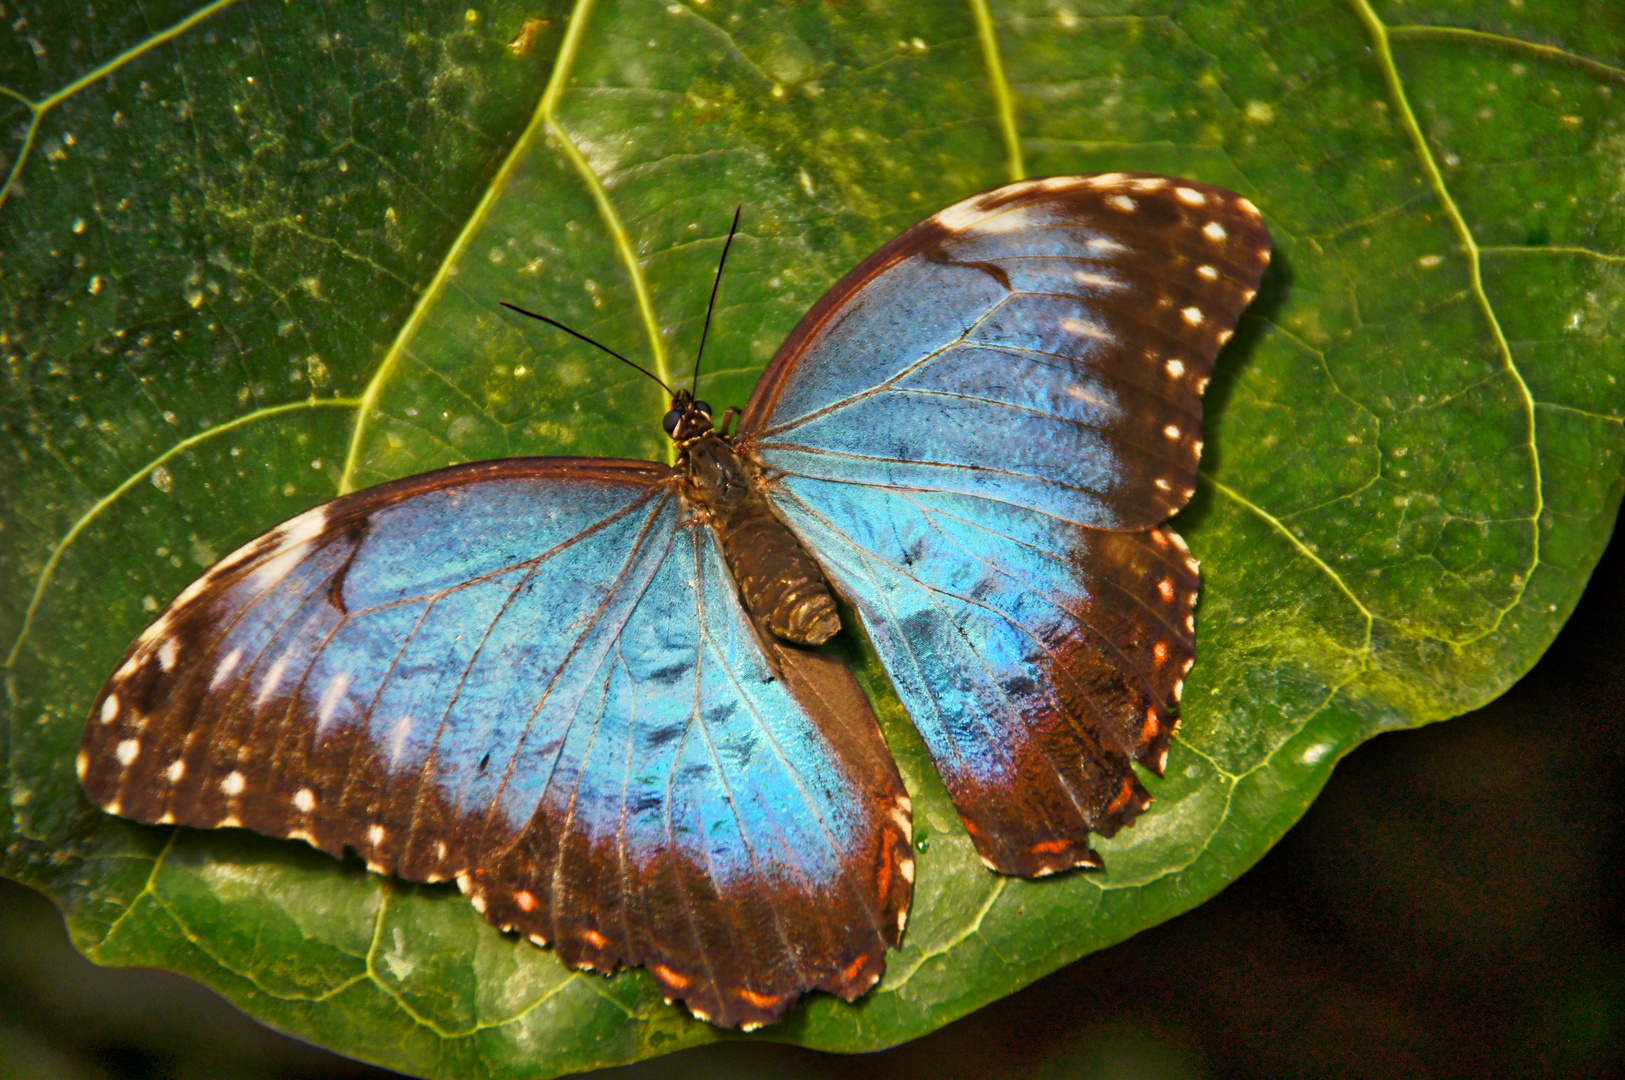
(704, 408)
(670, 422)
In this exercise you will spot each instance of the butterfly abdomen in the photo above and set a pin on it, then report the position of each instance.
(780, 583)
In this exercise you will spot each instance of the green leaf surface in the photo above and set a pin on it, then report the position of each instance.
(251, 255)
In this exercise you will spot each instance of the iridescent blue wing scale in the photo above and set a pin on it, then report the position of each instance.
(979, 431)
(533, 676)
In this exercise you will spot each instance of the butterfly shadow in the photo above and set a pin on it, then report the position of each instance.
(1234, 362)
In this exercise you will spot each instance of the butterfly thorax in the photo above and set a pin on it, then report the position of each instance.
(781, 584)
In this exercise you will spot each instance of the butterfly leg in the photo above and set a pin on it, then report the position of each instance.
(728, 418)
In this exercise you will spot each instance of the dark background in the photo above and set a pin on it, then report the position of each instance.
(1447, 908)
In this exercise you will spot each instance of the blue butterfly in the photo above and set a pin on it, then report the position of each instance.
(582, 688)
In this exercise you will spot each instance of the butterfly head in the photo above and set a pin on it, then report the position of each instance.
(688, 419)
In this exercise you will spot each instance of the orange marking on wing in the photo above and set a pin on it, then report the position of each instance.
(852, 969)
(1123, 796)
(1160, 652)
(885, 877)
(1165, 589)
(671, 976)
(1149, 730)
(761, 1001)
(525, 900)
(594, 938)
(1051, 847)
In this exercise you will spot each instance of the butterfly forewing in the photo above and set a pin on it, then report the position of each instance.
(979, 430)
(1044, 344)
(533, 676)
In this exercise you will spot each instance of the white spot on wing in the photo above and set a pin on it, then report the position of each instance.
(1123, 203)
(1193, 315)
(1012, 219)
(901, 819)
(1099, 281)
(306, 526)
(110, 708)
(176, 770)
(397, 740)
(1172, 431)
(128, 750)
(906, 868)
(1085, 329)
(331, 698)
(305, 800)
(960, 216)
(1213, 231)
(1207, 273)
(1175, 368)
(81, 764)
(1105, 245)
(227, 666)
(159, 629)
(272, 677)
(375, 835)
(192, 591)
(233, 784)
(276, 568)
(1190, 196)
(1248, 208)
(1086, 396)
(166, 654)
(1148, 183)
(1110, 179)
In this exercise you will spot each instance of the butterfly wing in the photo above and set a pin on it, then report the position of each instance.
(532, 676)
(978, 430)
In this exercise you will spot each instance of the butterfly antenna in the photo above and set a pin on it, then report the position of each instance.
(695, 381)
(590, 341)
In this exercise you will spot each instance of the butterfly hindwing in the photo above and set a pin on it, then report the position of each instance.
(533, 676)
(699, 816)
(978, 431)
(1032, 658)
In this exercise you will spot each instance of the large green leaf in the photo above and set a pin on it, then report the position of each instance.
(252, 255)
